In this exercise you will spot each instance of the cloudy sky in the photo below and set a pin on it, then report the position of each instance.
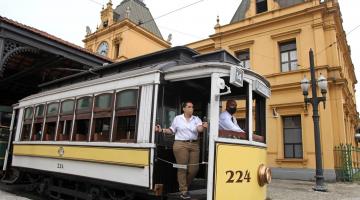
(67, 19)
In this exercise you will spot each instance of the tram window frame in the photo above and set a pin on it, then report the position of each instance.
(128, 113)
(259, 118)
(27, 121)
(80, 116)
(37, 126)
(51, 119)
(65, 121)
(99, 117)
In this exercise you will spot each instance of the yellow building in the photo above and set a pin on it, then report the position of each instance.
(273, 38)
(125, 32)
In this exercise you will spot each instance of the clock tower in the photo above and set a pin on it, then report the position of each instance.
(125, 32)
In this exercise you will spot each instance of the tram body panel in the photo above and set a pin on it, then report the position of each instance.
(236, 171)
(96, 170)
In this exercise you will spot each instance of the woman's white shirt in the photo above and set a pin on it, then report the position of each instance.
(185, 130)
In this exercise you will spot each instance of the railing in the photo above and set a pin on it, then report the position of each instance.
(347, 163)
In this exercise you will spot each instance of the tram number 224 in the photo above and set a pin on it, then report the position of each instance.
(238, 176)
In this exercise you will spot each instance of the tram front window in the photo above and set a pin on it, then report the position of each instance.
(234, 117)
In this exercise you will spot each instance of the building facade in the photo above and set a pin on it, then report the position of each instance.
(273, 38)
(125, 32)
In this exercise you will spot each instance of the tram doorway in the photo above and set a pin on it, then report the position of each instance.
(171, 96)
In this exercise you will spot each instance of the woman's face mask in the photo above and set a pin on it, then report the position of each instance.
(231, 110)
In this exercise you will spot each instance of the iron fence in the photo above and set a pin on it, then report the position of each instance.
(347, 163)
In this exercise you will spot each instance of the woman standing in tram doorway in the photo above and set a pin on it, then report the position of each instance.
(186, 145)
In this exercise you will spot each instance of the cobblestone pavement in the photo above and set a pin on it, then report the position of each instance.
(278, 190)
(302, 190)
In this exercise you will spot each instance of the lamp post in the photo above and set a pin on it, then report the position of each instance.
(314, 101)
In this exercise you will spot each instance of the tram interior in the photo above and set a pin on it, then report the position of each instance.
(171, 95)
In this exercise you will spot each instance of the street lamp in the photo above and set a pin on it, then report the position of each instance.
(314, 101)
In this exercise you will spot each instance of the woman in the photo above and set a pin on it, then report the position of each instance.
(186, 146)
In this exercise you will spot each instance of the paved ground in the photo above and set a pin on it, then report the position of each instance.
(278, 190)
(302, 190)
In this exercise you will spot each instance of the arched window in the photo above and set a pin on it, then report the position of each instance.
(66, 119)
(26, 128)
(102, 117)
(82, 118)
(126, 116)
(51, 120)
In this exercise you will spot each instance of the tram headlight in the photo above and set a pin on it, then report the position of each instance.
(264, 175)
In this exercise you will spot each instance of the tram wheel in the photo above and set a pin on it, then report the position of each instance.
(94, 193)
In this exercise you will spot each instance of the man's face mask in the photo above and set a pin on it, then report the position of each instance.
(231, 110)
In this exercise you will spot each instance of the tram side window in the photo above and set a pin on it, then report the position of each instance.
(126, 116)
(82, 119)
(38, 122)
(51, 120)
(102, 118)
(26, 129)
(259, 118)
(65, 121)
(233, 125)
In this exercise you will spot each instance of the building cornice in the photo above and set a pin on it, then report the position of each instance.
(238, 28)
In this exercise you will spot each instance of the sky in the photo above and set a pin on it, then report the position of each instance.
(67, 19)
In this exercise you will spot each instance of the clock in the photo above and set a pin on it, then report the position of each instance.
(103, 48)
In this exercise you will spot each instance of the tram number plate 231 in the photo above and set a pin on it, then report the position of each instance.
(239, 176)
(60, 166)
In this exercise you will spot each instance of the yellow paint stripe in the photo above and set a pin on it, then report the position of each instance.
(112, 155)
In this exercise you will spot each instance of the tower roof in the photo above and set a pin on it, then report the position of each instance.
(245, 4)
(139, 14)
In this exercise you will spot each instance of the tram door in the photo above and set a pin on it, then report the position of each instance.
(171, 96)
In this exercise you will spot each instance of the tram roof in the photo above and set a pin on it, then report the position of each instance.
(160, 60)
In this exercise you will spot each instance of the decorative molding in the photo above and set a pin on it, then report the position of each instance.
(239, 45)
(292, 32)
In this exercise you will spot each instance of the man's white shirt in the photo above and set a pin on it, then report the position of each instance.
(227, 123)
(185, 130)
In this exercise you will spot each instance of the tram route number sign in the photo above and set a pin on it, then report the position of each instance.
(238, 176)
(236, 76)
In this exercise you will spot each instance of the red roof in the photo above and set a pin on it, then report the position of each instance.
(51, 37)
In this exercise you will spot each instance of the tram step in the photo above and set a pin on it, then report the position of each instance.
(195, 195)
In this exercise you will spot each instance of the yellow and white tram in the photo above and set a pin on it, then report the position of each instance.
(91, 135)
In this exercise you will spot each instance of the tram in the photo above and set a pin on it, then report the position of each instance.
(92, 135)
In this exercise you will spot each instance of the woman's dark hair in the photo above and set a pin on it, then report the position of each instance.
(183, 104)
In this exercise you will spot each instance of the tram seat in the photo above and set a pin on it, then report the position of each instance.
(232, 134)
(80, 137)
(62, 137)
(240, 135)
(47, 137)
(98, 137)
(258, 138)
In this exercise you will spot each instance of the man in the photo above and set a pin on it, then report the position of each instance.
(186, 146)
(228, 125)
